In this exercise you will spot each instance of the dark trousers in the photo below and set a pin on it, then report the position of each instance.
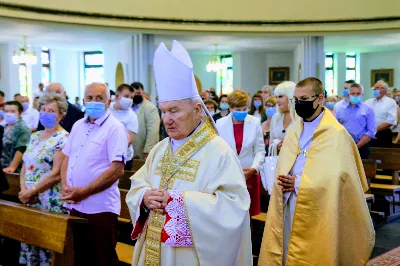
(364, 151)
(129, 165)
(95, 245)
(383, 139)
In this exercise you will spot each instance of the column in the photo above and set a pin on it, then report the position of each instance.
(143, 48)
(313, 64)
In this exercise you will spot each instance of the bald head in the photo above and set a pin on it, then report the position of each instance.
(56, 87)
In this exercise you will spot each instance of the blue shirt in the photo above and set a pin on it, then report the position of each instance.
(359, 120)
(136, 107)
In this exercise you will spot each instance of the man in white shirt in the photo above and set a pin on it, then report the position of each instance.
(385, 115)
(39, 92)
(121, 109)
(30, 114)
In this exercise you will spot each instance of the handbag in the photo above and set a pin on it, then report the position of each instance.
(268, 168)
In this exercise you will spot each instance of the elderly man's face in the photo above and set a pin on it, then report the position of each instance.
(380, 86)
(180, 117)
(97, 93)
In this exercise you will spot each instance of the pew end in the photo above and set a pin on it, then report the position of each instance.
(43, 229)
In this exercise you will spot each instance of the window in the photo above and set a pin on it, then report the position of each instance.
(93, 67)
(351, 66)
(45, 59)
(329, 74)
(225, 76)
(23, 79)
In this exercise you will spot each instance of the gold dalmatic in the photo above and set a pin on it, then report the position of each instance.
(173, 166)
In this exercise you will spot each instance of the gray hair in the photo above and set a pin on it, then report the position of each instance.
(385, 85)
(54, 97)
(102, 84)
(196, 100)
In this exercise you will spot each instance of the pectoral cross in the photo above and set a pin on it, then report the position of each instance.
(304, 152)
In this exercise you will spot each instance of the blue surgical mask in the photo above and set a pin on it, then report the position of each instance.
(1, 113)
(239, 115)
(355, 99)
(330, 105)
(270, 111)
(257, 104)
(25, 106)
(345, 93)
(48, 120)
(377, 93)
(224, 106)
(10, 118)
(95, 109)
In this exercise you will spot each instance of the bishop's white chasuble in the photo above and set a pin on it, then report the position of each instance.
(207, 218)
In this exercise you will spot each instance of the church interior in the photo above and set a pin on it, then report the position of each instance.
(233, 45)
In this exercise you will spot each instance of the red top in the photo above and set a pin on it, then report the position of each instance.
(238, 133)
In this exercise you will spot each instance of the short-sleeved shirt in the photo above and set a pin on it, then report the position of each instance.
(38, 159)
(16, 138)
(91, 149)
(385, 110)
(129, 119)
(31, 117)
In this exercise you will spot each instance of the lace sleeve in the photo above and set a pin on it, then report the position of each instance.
(176, 232)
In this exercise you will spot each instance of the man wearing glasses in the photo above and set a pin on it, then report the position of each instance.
(317, 213)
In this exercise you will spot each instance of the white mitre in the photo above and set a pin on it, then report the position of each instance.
(173, 74)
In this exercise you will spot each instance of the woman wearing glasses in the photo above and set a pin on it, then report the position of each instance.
(285, 114)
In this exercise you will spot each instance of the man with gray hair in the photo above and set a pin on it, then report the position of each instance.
(385, 115)
(359, 119)
(95, 155)
(193, 175)
(73, 113)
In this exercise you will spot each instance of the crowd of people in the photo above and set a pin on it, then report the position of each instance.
(70, 161)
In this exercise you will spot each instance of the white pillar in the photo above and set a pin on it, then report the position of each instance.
(9, 78)
(313, 64)
(143, 48)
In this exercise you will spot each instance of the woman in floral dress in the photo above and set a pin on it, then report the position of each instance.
(40, 174)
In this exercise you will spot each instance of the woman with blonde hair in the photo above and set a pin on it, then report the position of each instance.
(270, 110)
(285, 115)
(243, 133)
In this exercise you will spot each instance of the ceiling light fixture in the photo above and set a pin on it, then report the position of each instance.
(24, 56)
(215, 65)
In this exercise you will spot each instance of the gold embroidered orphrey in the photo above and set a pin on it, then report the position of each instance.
(175, 166)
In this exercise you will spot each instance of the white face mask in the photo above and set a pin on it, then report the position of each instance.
(212, 113)
(125, 103)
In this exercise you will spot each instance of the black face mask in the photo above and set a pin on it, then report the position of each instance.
(305, 109)
(137, 99)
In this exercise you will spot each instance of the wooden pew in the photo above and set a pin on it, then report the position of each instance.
(389, 160)
(47, 230)
(137, 164)
(124, 251)
(370, 166)
(125, 181)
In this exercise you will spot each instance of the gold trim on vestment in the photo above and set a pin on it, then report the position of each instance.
(175, 166)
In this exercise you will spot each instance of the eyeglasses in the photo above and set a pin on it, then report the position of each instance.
(294, 100)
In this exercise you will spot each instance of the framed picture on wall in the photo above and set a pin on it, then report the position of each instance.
(278, 75)
(382, 74)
